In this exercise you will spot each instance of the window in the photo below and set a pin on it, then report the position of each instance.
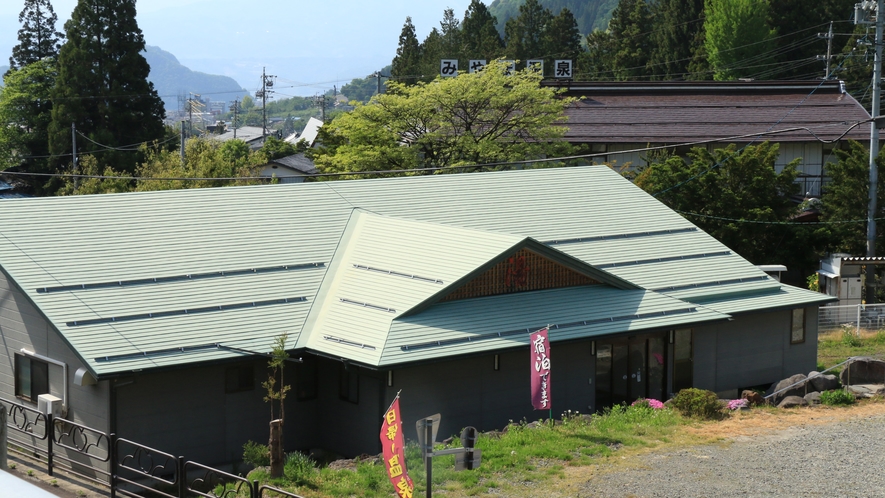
(797, 330)
(349, 384)
(306, 379)
(31, 377)
(237, 379)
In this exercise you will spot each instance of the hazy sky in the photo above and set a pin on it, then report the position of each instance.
(309, 45)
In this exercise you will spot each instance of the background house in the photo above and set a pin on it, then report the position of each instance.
(427, 284)
(289, 169)
(614, 117)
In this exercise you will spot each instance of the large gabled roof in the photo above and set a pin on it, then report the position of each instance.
(695, 111)
(155, 279)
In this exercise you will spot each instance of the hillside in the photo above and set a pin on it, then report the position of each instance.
(171, 79)
(590, 14)
(3, 70)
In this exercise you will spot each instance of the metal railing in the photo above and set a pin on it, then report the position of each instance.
(126, 467)
(857, 317)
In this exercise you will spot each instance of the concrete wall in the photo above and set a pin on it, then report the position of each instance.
(23, 326)
(753, 349)
(471, 392)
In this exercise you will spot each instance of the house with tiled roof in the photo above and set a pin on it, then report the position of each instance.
(809, 119)
(150, 314)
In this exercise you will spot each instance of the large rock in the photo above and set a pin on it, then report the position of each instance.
(813, 398)
(797, 390)
(863, 370)
(792, 401)
(823, 382)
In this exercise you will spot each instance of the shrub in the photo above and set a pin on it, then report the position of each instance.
(255, 454)
(299, 468)
(839, 397)
(698, 403)
(850, 338)
(648, 402)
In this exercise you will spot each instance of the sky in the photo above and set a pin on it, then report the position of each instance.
(309, 45)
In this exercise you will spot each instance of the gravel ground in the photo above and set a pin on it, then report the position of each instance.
(845, 458)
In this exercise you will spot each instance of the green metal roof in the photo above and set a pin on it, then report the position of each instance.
(151, 279)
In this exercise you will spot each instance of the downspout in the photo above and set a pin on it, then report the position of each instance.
(64, 366)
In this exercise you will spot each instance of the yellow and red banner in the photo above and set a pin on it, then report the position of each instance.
(540, 359)
(394, 451)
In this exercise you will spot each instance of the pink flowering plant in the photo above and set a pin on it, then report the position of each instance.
(649, 402)
(737, 404)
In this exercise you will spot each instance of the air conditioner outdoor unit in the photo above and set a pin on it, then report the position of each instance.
(48, 404)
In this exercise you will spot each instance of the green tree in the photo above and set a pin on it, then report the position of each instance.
(733, 195)
(797, 23)
(595, 64)
(247, 104)
(847, 197)
(276, 393)
(630, 49)
(431, 54)
(37, 38)
(102, 87)
(738, 41)
(25, 114)
(475, 118)
(407, 63)
(524, 34)
(678, 34)
(479, 37)
(450, 34)
(562, 39)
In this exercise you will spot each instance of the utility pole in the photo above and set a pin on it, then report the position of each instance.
(378, 78)
(266, 82)
(183, 139)
(828, 36)
(321, 101)
(74, 150)
(862, 12)
(235, 106)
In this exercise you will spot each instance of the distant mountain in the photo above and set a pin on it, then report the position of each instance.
(3, 70)
(590, 14)
(172, 80)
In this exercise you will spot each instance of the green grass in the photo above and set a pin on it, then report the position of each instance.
(836, 347)
(521, 454)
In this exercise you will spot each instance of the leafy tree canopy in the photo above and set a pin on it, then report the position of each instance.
(474, 118)
(732, 195)
(738, 39)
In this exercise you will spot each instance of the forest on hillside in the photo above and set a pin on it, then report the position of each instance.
(648, 40)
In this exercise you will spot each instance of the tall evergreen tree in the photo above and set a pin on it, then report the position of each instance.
(678, 32)
(479, 37)
(450, 31)
(739, 42)
(102, 86)
(524, 34)
(407, 62)
(37, 37)
(562, 39)
(797, 24)
(595, 64)
(431, 54)
(630, 21)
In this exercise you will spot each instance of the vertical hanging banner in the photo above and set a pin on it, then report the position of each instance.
(540, 360)
(394, 450)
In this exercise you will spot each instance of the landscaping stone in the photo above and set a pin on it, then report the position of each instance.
(792, 401)
(823, 382)
(864, 370)
(753, 398)
(866, 390)
(813, 398)
(798, 390)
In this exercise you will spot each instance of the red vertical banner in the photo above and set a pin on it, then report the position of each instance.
(540, 360)
(394, 450)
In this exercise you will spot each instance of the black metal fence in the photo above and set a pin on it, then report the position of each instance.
(125, 467)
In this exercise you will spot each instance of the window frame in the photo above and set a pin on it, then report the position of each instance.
(35, 368)
(793, 329)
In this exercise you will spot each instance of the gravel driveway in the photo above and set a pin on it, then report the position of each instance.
(845, 458)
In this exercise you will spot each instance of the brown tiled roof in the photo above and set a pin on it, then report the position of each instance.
(682, 112)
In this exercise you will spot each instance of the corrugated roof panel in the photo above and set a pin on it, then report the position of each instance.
(607, 309)
(86, 239)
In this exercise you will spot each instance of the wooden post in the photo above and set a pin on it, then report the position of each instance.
(276, 448)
